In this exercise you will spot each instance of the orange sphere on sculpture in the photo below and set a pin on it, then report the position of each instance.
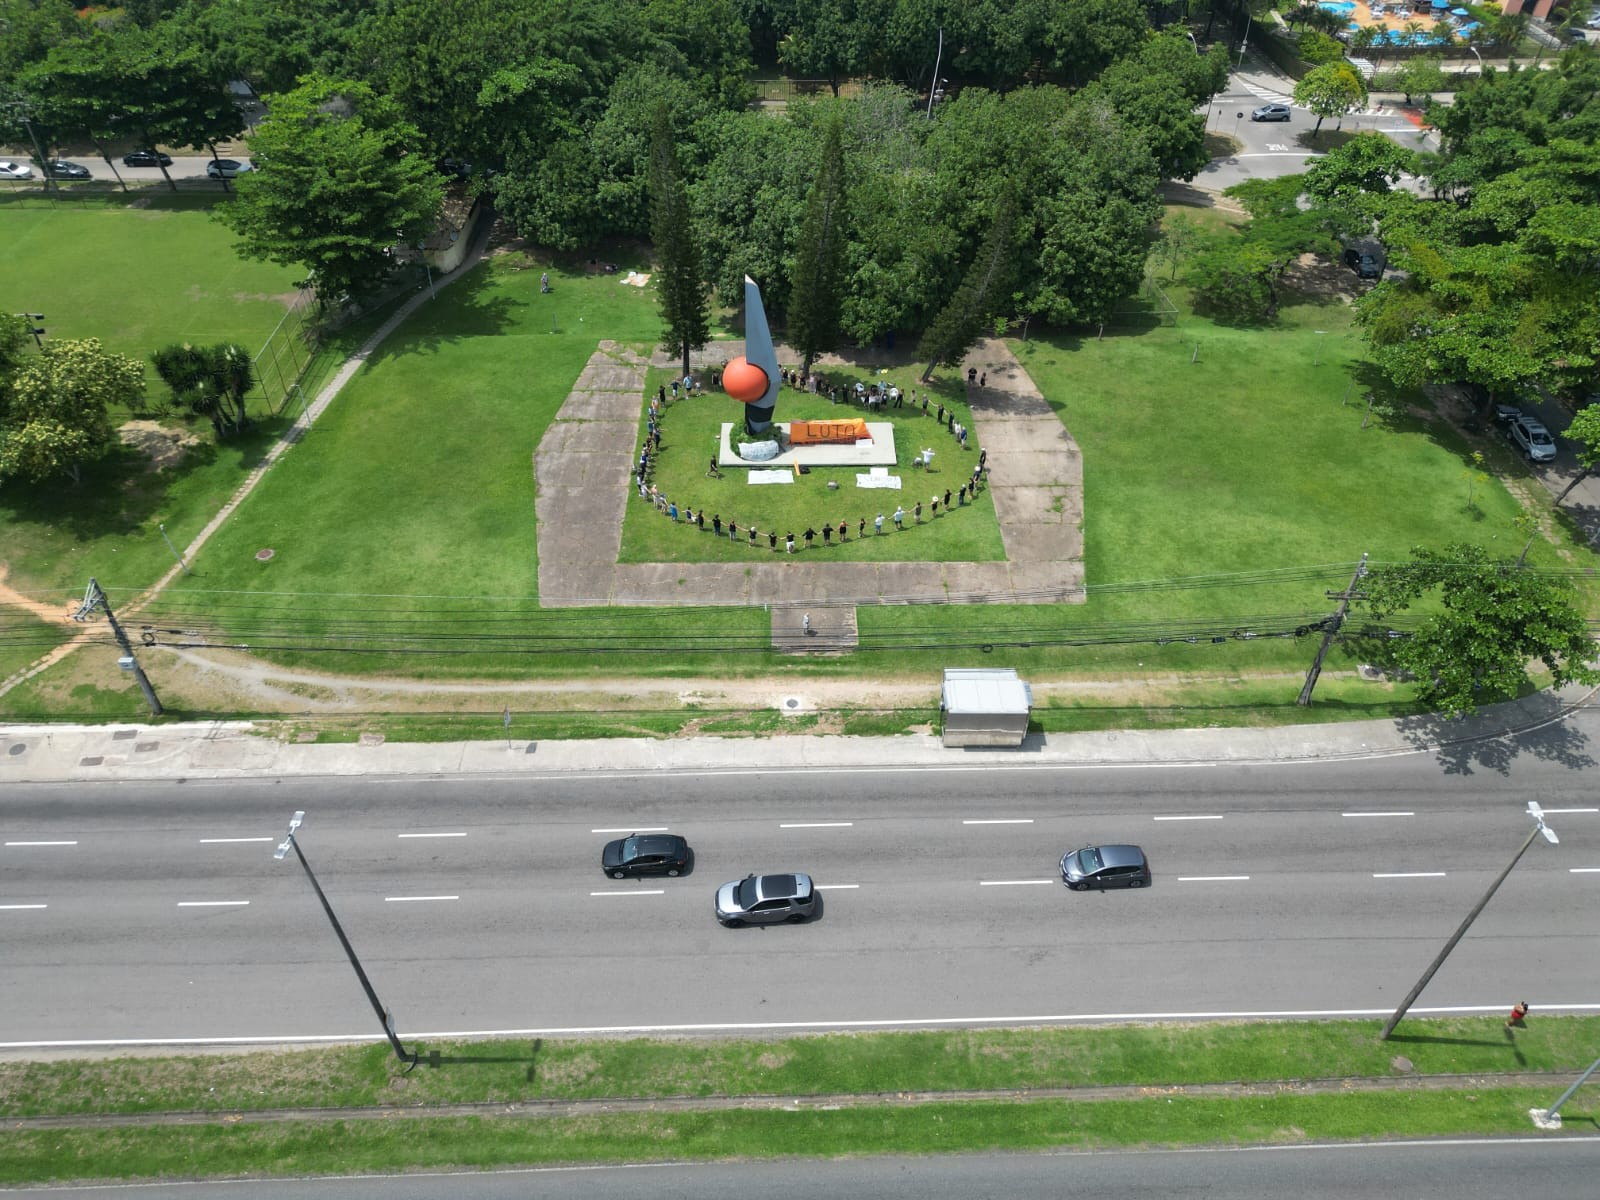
(745, 381)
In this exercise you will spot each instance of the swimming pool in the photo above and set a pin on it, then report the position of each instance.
(1345, 7)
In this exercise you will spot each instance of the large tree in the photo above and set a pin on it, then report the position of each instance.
(57, 418)
(1489, 620)
(1331, 90)
(680, 280)
(340, 182)
(818, 276)
(984, 293)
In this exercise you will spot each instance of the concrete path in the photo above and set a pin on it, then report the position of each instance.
(583, 473)
(228, 750)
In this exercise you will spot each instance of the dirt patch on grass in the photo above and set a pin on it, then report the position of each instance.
(163, 446)
(1320, 280)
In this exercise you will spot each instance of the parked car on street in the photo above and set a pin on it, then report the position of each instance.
(146, 158)
(1271, 112)
(766, 899)
(14, 170)
(60, 168)
(1103, 867)
(226, 168)
(645, 854)
(1533, 439)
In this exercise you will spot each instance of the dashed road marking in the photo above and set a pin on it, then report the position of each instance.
(415, 899)
(212, 903)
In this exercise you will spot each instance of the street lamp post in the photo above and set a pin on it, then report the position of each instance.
(1249, 17)
(1539, 829)
(409, 1057)
(162, 526)
(1550, 1118)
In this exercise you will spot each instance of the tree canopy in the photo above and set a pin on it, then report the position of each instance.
(1488, 621)
(341, 185)
(56, 416)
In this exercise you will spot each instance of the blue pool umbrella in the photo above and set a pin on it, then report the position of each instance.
(1441, 3)
(1459, 12)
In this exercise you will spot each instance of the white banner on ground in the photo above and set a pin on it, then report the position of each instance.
(770, 476)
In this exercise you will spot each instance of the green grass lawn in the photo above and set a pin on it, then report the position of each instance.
(509, 1074)
(1209, 451)
(691, 429)
(138, 272)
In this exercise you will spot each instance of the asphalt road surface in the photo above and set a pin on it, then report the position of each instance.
(156, 911)
(1486, 1170)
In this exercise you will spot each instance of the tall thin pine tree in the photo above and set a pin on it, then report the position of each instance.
(981, 293)
(685, 303)
(819, 264)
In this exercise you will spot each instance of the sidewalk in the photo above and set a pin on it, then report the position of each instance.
(229, 750)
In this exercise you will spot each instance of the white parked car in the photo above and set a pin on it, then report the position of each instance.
(14, 170)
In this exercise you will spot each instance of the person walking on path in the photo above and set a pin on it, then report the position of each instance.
(714, 471)
(918, 512)
(810, 535)
(716, 524)
(899, 517)
(877, 525)
(842, 530)
(1518, 1017)
(805, 624)
(772, 540)
(827, 534)
(939, 417)
(861, 527)
(947, 498)
(788, 542)
(672, 511)
(752, 533)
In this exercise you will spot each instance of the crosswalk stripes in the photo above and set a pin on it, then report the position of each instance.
(1263, 93)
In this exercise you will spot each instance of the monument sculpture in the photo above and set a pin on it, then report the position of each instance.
(753, 377)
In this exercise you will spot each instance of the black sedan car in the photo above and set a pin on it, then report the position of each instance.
(645, 854)
(1102, 867)
(60, 168)
(146, 158)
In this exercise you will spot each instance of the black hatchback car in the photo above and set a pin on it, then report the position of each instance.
(645, 854)
(1102, 867)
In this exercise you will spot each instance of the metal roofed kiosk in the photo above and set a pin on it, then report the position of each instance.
(984, 707)
(753, 377)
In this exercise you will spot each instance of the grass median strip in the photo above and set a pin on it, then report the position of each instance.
(928, 1061)
(299, 1148)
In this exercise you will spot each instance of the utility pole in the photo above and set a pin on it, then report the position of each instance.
(933, 88)
(95, 598)
(1539, 828)
(409, 1057)
(1330, 630)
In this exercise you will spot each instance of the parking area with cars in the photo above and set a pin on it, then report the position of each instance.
(1527, 433)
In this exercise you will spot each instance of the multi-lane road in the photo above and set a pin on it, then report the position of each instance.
(157, 911)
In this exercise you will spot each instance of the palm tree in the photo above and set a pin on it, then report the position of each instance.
(1372, 38)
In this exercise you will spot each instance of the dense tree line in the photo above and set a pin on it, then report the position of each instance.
(549, 104)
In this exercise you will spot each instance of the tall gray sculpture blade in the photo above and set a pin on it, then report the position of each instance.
(759, 351)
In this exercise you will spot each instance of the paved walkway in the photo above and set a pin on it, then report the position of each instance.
(1490, 741)
(582, 469)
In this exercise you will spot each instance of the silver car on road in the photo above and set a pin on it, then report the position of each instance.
(766, 899)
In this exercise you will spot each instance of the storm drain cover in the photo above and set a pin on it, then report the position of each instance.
(17, 748)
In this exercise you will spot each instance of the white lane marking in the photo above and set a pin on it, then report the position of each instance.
(1408, 874)
(19, 907)
(1216, 817)
(1001, 821)
(1584, 870)
(212, 903)
(1396, 813)
(415, 899)
(1213, 878)
(633, 829)
(1564, 811)
(1001, 1019)
(817, 825)
(41, 843)
(429, 835)
(1013, 882)
(230, 841)
(835, 887)
(631, 892)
